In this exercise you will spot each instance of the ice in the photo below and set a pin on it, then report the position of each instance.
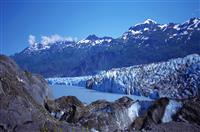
(171, 110)
(88, 95)
(133, 111)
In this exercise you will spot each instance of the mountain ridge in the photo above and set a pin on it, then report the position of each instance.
(142, 44)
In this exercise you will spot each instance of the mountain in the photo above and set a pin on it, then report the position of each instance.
(177, 78)
(143, 43)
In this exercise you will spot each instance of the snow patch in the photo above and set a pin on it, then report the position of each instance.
(162, 26)
(133, 111)
(148, 21)
(94, 130)
(171, 110)
(146, 29)
(135, 32)
(84, 41)
(184, 33)
(97, 41)
(176, 27)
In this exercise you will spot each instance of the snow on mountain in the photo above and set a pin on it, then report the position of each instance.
(93, 39)
(177, 27)
(143, 43)
(138, 31)
(162, 26)
(150, 21)
(135, 32)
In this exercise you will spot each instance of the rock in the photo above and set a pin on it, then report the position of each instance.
(34, 84)
(100, 115)
(65, 101)
(21, 101)
(89, 83)
(110, 116)
(67, 108)
(175, 127)
(190, 112)
(153, 116)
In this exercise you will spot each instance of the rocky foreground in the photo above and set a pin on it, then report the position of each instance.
(26, 104)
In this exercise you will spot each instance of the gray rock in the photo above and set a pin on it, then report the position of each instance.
(175, 127)
(153, 116)
(21, 101)
(190, 112)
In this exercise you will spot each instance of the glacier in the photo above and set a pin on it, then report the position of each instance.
(177, 78)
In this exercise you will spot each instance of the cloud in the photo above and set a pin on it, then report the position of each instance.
(31, 40)
(45, 40)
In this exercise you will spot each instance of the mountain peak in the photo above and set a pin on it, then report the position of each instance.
(92, 37)
(150, 21)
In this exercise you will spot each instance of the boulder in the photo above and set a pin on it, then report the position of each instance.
(110, 116)
(175, 127)
(153, 116)
(190, 112)
(100, 115)
(67, 108)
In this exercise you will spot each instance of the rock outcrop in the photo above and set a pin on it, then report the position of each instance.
(22, 95)
(11, 76)
(190, 112)
(100, 115)
(153, 116)
(175, 127)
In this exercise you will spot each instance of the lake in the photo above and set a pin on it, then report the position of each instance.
(87, 95)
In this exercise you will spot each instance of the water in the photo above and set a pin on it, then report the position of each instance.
(87, 95)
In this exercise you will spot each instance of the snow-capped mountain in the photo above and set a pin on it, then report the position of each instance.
(143, 43)
(177, 78)
(93, 39)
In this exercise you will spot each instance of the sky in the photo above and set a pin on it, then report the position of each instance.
(77, 19)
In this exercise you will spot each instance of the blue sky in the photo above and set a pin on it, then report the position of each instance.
(20, 18)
